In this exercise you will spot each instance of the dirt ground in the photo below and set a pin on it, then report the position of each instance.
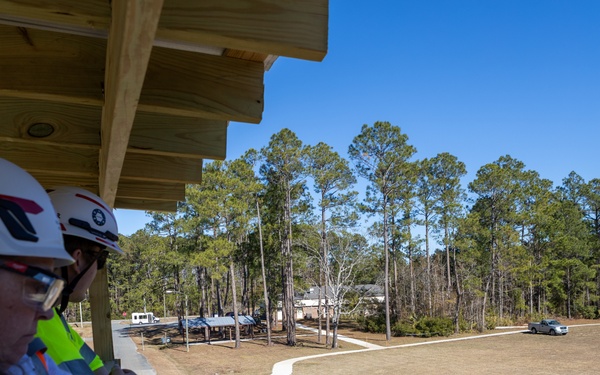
(517, 353)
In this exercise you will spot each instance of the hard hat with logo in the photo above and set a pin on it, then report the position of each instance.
(86, 215)
(28, 223)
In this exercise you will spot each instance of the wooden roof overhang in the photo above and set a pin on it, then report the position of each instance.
(127, 98)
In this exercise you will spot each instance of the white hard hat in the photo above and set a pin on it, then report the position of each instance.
(28, 223)
(86, 215)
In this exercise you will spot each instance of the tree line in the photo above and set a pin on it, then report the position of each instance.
(260, 229)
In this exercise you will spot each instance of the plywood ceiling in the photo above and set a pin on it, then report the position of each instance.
(137, 93)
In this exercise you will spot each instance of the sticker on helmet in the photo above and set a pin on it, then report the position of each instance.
(98, 217)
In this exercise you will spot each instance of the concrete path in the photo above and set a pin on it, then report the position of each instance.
(365, 344)
(126, 351)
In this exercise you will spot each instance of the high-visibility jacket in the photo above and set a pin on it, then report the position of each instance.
(66, 347)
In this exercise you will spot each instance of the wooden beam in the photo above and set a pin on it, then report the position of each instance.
(284, 28)
(79, 125)
(50, 66)
(142, 167)
(159, 191)
(72, 124)
(178, 83)
(273, 27)
(178, 136)
(146, 205)
(63, 160)
(68, 162)
(130, 41)
(212, 87)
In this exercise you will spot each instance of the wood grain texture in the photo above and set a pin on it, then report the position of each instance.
(129, 46)
(273, 27)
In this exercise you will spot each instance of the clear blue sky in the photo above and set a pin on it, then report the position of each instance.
(477, 78)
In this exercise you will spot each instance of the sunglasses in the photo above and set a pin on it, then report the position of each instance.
(41, 288)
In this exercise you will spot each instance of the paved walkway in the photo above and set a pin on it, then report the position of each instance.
(126, 351)
(285, 367)
(365, 344)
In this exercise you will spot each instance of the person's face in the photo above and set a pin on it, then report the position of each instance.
(82, 260)
(18, 320)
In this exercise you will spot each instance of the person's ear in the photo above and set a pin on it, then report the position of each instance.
(79, 261)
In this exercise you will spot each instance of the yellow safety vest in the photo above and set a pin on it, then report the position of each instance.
(66, 347)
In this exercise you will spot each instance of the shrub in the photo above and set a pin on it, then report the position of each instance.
(587, 312)
(425, 327)
(373, 323)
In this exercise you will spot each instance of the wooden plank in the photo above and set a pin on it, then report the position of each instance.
(51, 66)
(71, 161)
(142, 167)
(178, 83)
(80, 125)
(100, 310)
(146, 205)
(128, 53)
(51, 180)
(190, 84)
(160, 191)
(86, 16)
(143, 190)
(284, 28)
(183, 136)
(73, 124)
(58, 159)
(129, 46)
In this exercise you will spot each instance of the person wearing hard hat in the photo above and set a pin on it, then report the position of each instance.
(90, 232)
(31, 246)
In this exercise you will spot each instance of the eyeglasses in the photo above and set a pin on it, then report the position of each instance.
(85, 225)
(41, 288)
(100, 257)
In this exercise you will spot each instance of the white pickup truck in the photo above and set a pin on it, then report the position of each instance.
(550, 326)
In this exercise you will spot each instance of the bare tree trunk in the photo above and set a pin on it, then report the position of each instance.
(397, 288)
(447, 246)
(458, 296)
(289, 274)
(411, 267)
(235, 308)
(483, 306)
(219, 302)
(264, 277)
(386, 289)
(326, 275)
(336, 317)
(428, 282)
(203, 296)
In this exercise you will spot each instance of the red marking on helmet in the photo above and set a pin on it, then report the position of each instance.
(29, 206)
(17, 266)
(96, 203)
(104, 241)
(62, 227)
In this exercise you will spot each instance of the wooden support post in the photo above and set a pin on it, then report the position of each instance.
(101, 326)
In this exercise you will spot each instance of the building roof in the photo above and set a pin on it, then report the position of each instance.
(365, 290)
